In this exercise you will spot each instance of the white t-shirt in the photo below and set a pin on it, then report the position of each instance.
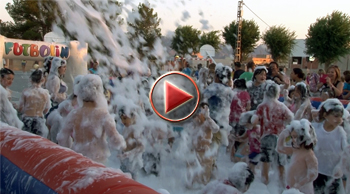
(329, 148)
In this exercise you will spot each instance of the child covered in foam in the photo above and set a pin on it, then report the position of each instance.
(239, 179)
(131, 156)
(302, 170)
(91, 124)
(201, 132)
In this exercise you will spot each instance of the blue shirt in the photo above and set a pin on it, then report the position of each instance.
(187, 71)
(346, 87)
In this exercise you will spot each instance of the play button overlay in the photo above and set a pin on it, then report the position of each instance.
(174, 96)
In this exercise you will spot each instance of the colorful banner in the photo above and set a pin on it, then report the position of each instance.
(33, 50)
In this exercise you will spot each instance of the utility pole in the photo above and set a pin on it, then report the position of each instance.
(238, 55)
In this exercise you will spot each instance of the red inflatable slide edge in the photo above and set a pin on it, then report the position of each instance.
(30, 163)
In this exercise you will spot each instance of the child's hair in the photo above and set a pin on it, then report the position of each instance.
(346, 72)
(240, 84)
(250, 65)
(321, 71)
(223, 73)
(258, 70)
(330, 106)
(329, 92)
(36, 76)
(239, 130)
(299, 73)
(303, 90)
(306, 133)
(291, 89)
(347, 78)
(272, 90)
(5, 71)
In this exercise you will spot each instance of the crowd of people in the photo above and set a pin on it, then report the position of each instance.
(262, 117)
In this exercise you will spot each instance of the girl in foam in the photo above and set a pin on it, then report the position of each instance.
(302, 170)
(302, 103)
(56, 118)
(54, 83)
(239, 179)
(257, 87)
(331, 144)
(91, 124)
(8, 114)
(34, 104)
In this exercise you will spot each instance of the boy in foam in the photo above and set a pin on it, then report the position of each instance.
(131, 157)
(201, 131)
(91, 124)
(331, 144)
(239, 179)
(8, 114)
(302, 170)
(272, 117)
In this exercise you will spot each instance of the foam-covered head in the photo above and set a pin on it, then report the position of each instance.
(305, 132)
(47, 64)
(90, 88)
(302, 90)
(55, 64)
(223, 73)
(76, 81)
(258, 70)
(248, 117)
(240, 176)
(272, 90)
(332, 105)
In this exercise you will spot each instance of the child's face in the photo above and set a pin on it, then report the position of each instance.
(296, 94)
(324, 96)
(334, 118)
(127, 121)
(261, 77)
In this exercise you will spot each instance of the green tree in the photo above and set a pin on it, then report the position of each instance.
(280, 42)
(212, 38)
(145, 27)
(329, 37)
(250, 36)
(186, 40)
(32, 19)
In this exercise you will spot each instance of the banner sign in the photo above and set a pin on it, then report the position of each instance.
(34, 49)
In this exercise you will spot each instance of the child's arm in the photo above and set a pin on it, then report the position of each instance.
(137, 150)
(115, 139)
(281, 148)
(312, 171)
(301, 111)
(212, 125)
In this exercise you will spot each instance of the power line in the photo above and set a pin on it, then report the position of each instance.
(256, 15)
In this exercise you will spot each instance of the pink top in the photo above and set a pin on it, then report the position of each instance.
(238, 105)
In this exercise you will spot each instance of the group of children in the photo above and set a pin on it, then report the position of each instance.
(245, 117)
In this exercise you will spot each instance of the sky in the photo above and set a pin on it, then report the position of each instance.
(296, 15)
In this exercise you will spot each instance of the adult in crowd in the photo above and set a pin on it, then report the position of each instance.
(297, 75)
(7, 76)
(249, 73)
(333, 81)
(196, 73)
(238, 70)
(34, 104)
(187, 70)
(275, 74)
(257, 88)
(8, 114)
(54, 83)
